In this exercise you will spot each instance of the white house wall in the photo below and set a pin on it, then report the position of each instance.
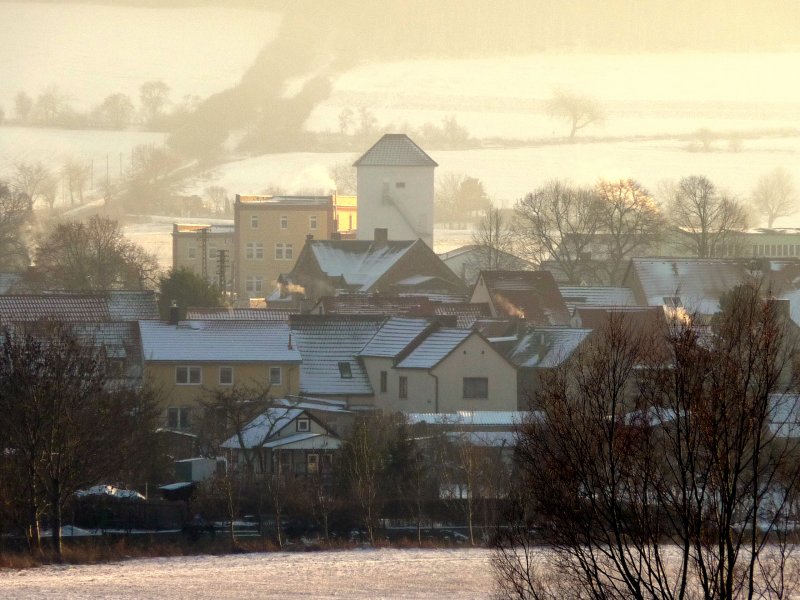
(414, 201)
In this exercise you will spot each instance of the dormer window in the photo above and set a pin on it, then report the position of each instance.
(344, 370)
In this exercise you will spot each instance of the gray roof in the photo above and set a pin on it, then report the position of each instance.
(698, 283)
(327, 340)
(395, 150)
(546, 347)
(360, 262)
(596, 296)
(80, 308)
(435, 348)
(394, 336)
(240, 314)
(125, 305)
(218, 341)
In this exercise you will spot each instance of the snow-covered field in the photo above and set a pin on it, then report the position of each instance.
(357, 574)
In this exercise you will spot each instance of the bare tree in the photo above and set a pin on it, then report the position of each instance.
(707, 220)
(458, 197)
(579, 111)
(64, 424)
(220, 201)
(630, 222)
(22, 106)
(346, 120)
(92, 255)
(364, 455)
(775, 195)
(153, 96)
(153, 181)
(115, 112)
(50, 106)
(560, 223)
(29, 179)
(657, 469)
(344, 178)
(76, 175)
(494, 238)
(14, 217)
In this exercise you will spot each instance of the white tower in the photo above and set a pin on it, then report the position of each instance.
(395, 190)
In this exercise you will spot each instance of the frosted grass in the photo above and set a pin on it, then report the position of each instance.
(462, 574)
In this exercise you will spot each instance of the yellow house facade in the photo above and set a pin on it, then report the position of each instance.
(186, 362)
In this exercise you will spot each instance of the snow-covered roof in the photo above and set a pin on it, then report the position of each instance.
(264, 427)
(109, 490)
(488, 439)
(596, 296)
(435, 348)
(394, 336)
(327, 343)
(395, 150)
(529, 295)
(218, 341)
(698, 283)
(546, 347)
(497, 418)
(359, 262)
(315, 404)
(306, 441)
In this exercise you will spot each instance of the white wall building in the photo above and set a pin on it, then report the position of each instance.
(395, 190)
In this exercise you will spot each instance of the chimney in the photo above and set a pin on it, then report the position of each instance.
(174, 313)
(381, 235)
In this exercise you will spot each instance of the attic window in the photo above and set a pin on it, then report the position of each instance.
(344, 370)
(400, 185)
(303, 424)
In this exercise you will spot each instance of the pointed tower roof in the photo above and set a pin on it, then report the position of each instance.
(395, 150)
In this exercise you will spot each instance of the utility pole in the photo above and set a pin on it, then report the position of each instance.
(204, 249)
(222, 256)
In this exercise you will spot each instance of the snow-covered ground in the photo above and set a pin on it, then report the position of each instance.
(356, 574)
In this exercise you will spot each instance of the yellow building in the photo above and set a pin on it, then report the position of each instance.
(187, 361)
(270, 232)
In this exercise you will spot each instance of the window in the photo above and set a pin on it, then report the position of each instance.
(178, 417)
(283, 251)
(254, 251)
(312, 463)
(284, 222)
(212, 253)
(253, 284)
(344, 370)
(191, 252)
(188, 376)
(384, 384)
(476, 387)
(312, 222)
(400, 185)
(226, 375)
(275, 375)
(403, 386)
(303, 424)
(254, 221)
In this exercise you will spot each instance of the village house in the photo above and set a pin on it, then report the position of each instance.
(529, 295)
(450, 370)
(329, 267)
(286, 440)
(468, 261)
(395, 189)
(186, 361)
